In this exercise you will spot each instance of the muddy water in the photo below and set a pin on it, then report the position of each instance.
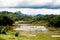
(31, 30)
(28, 27)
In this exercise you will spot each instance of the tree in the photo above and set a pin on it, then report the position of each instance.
(6, 21)
(55, 21)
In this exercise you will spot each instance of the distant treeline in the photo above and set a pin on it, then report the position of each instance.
(8, 18)
(52, 20)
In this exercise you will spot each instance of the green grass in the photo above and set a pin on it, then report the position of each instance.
(39, 36)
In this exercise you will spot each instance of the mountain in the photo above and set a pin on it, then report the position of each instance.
(39, 15)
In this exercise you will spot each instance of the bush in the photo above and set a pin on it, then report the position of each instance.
(55, 21)
(3, 32)
(6, 21)
(17, 34)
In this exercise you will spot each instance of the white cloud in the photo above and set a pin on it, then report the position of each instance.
(56, 2)
(33, 11)
(41, 11)
(9, 3)
(44, 3)
(20, 3)
(38, 2)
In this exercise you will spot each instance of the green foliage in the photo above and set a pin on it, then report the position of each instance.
(4, 20)
(55, 21)
(8, 18)
(17, 34)
(11, 15)
(39, 36)
(2, 38)
(2, 30)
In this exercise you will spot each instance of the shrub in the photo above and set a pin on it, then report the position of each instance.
(55, 21)
(17, 34)
(3, 32)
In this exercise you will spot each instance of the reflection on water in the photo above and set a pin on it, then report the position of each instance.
(31, 28)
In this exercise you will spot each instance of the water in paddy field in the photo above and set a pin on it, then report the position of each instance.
(28, 29)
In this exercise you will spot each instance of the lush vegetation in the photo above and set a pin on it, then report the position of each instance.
(7, 19)
(55, 21)
(11, 15)
(40, 36)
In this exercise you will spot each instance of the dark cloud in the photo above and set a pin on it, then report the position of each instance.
(38, 6)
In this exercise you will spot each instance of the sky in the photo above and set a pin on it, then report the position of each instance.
(31, 6)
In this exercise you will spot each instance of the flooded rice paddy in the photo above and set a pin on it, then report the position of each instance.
(30, 29)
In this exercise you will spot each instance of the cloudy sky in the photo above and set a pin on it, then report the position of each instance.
(31, 6)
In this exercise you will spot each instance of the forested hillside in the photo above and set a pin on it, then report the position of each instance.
(7, 19)
(52, 20)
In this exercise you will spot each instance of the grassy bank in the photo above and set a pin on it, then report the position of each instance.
(39, 36)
